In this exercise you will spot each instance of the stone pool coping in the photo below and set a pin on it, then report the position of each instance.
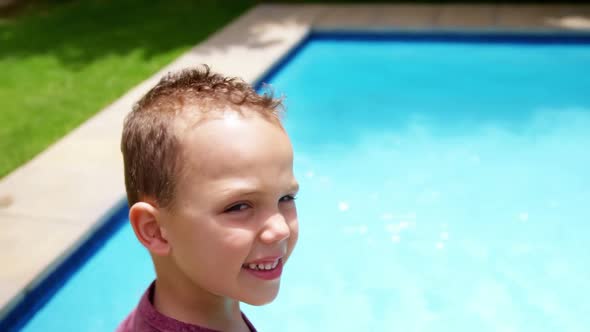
(50, 205)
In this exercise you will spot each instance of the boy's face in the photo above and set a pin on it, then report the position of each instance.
(234, 207)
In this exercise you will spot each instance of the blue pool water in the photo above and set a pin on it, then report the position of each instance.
(445, 187)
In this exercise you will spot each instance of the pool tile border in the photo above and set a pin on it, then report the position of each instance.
(52, 204)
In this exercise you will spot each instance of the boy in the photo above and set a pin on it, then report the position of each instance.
(209, 179)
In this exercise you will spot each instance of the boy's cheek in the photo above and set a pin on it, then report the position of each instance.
(237, 240)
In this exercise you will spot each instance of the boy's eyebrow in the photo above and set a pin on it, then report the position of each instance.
(244, 190)
(239, 191)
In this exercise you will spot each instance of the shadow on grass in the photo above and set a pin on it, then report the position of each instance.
(80, 32)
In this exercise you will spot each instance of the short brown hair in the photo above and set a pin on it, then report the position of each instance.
(150, 145)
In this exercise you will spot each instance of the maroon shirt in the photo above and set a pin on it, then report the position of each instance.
(145, 318)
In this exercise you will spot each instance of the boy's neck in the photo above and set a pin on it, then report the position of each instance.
(187, 303)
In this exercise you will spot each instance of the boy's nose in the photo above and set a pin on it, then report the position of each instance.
(276, 229)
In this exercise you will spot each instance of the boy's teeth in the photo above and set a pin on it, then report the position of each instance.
(267, 266)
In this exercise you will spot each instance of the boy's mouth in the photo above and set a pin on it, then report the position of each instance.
(266, 269)
(262, 265)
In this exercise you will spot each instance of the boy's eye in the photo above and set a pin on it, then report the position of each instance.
(237, 207)
(287, 198)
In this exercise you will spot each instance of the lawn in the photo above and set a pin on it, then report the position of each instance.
(63, 61)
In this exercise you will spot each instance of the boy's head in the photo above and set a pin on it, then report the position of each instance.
(209, 179)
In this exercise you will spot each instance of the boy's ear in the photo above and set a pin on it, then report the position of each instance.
(144, 220)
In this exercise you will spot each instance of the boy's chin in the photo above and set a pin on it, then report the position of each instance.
(260, 299)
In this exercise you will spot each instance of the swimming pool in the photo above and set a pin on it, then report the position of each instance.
(444, 188)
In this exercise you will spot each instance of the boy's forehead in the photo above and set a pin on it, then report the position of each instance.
(222, 143)
(195, 115)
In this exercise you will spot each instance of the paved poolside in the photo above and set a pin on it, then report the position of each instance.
(51, 204)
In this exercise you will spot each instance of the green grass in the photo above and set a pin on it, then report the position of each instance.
(60, 63)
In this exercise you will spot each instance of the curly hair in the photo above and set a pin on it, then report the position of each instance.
(151, 146)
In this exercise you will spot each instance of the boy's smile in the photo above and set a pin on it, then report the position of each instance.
(268, 268)
(233, 223)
